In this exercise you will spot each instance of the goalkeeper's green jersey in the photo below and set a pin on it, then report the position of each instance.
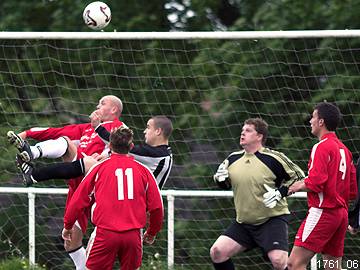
(248, 174)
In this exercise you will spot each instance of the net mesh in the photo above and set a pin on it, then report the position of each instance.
(207, 87)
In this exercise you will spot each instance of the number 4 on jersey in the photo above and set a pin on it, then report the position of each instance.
(342, 167)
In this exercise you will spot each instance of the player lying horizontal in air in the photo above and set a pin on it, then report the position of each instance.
(155, 154)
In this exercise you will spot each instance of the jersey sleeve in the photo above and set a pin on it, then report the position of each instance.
(104, 129)
(317, 175)
(81, 198)
(103, 133)
(74, 132)
(291, 169)
(154, 205)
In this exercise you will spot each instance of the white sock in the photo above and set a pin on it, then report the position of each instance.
(50, 148)
(79, 258)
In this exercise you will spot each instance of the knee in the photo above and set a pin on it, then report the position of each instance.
(76, 240)
(279, 262)
(290, 264)
(71, 150)
(216, 254)
(67, 245)
(72, 245)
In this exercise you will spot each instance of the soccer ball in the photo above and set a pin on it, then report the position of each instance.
(97, 15)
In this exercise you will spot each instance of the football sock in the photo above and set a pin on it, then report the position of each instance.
(79, 257)
(62, 170)
(227, 265)
(50, 148)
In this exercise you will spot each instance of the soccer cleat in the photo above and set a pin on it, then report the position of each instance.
(26, 169)
(22, 145)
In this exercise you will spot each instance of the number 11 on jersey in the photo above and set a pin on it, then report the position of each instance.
(129, 181)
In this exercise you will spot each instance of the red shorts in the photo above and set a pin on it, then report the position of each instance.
(104, 246)
(323, 231)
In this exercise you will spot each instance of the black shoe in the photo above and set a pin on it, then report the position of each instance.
(26, 169)
(22, 145)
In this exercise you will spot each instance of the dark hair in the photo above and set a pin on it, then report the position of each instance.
(121, 140)
(260, 125)
(161, 121)
(330, 113)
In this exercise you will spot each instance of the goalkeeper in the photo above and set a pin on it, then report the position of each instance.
(260, 178)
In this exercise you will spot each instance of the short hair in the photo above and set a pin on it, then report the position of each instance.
(121, 140)
(260, 125)
(330, 113)
(161, 121)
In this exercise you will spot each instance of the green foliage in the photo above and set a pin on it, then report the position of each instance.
(18, 264)
(208, 87)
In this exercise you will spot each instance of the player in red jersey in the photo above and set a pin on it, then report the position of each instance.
(330, 184)
(124, 191)
(71, 142)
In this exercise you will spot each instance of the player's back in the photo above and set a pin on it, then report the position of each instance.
(346, 177)
(323, 173)
(329, 173)
(123, 190)
(90, 143)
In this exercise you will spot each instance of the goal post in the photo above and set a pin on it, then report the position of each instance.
(208, 83)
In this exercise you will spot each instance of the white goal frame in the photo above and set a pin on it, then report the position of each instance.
(169, 194)
(183, 35)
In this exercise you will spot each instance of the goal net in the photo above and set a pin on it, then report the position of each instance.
(207, 83)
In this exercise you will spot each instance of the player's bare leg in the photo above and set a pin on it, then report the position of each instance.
(278, 258)
(222, 251)
(90, 161)
(75, 248)
(331, 263)
(71, 151)
(299, 258)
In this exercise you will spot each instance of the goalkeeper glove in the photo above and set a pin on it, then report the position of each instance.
(271, 197)
(221, 177)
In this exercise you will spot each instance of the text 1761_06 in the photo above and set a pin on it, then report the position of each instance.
(334, 264)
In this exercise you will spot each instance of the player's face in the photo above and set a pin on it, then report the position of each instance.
(249, 135)
(151, 132)
(315, 123)
(106, 109)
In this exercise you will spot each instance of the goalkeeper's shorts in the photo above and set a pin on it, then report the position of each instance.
(271, 235)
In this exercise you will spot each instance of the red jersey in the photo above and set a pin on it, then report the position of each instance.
(89, 141)
(332, 175)
(124, 190)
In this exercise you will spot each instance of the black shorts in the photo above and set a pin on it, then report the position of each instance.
(273, 234)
